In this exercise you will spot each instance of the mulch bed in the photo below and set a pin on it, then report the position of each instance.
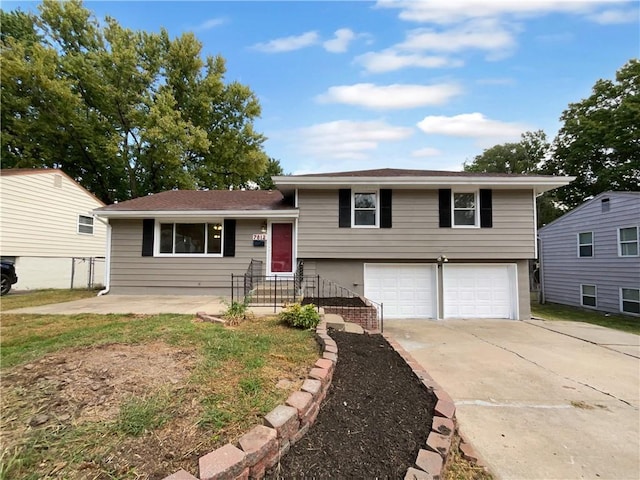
(334, 301)
(375, 418)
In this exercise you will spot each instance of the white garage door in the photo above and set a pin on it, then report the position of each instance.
(479, 291)
(407, 291)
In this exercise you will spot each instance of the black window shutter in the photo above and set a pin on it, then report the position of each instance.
(385, 208)
(229, 248)
(444, 203)
(344, 208)
(148, 226)
(486, 207)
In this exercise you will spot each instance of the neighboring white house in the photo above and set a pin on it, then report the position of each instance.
(47, 228)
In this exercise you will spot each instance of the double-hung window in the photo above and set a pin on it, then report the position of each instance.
(585, 244)
(588, 295)
(630, 300)
(628, 242)
(365, 209)
(85, 224)
(465, 209)
(186, 239)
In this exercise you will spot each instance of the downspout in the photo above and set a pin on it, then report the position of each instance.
(107, 261)
(538, 247)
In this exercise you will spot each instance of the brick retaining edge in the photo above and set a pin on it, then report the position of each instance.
(262, 447)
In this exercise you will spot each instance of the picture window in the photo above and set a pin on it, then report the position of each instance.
(190, 239)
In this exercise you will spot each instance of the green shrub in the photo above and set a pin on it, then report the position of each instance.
(300, 317)
(236, 311)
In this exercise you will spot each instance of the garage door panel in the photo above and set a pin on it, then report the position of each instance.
(406, 290)
(478, 291)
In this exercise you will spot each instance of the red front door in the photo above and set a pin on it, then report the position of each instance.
(281, 247)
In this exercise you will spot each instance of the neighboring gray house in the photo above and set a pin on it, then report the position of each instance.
(427, 244)
(590, 256)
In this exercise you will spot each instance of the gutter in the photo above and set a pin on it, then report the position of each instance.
(107, 260)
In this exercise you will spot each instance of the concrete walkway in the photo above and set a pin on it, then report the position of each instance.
(143, 305)
(538, 400)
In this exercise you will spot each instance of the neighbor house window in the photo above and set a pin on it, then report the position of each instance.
(630, 300)
(588, 294)
(365, 209)
(190, 239)
(585, 244)
(85, 224)
(465, 209)
(628, 242)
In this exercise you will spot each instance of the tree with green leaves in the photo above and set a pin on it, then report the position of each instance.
(528, 156)
(525, 156)
(599, 142)
(124, 112)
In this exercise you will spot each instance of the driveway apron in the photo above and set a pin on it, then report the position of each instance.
(538, 400)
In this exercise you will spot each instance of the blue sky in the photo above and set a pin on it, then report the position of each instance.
(403, 84)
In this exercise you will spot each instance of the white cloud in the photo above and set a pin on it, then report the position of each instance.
(346, 139)
(209, 24)
(340, 43)
(426, 152)
(390, 60)
(612, 17)
(472, 125)
(389, 97)
(442, 12)
(288, 44)
(488, 35)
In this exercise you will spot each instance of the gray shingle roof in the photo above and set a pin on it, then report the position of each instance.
(184, 200)
(398, 172)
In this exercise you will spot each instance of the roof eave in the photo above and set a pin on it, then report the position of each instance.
(539, 184)
(248, 214)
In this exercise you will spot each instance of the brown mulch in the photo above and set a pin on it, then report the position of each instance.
(375, 418)
(334, 301)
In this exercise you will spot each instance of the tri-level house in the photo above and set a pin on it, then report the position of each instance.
(48, 231)
(590, 257)
(426, 244)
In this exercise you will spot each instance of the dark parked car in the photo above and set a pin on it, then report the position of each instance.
(9, 276)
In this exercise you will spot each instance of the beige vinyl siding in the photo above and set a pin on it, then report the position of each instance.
(38, 218)
(130, 270)
(416, 233)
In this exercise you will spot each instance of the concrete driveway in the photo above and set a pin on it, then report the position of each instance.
(538, 400)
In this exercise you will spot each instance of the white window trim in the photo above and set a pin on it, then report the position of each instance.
(621, 301)
(582, 295)
(85, 225)
(362, 191)
(592, 244)
(476, 220)
(637, 241)
(156, 239)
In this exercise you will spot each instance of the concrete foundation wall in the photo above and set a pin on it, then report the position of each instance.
(44, 272)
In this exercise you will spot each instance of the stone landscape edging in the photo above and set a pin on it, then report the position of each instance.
(262, 447)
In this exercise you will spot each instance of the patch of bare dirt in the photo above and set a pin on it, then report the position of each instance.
(89, 385)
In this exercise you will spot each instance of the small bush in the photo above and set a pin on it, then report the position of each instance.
(300, 317)
(236, 311)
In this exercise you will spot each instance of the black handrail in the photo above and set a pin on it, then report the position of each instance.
(277, 290)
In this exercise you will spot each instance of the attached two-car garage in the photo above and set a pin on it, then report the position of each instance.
(464, 290)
